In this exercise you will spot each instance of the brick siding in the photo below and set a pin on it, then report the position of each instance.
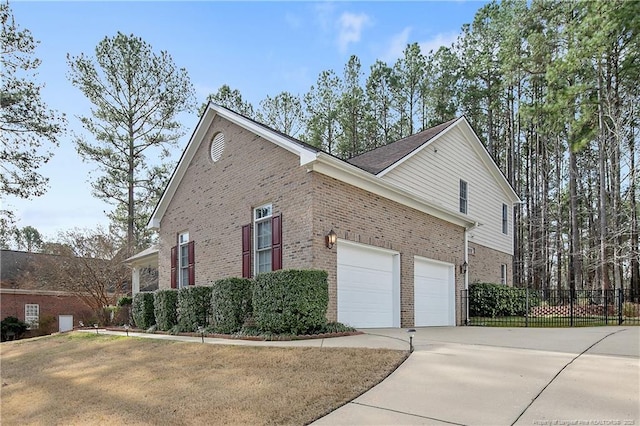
(359, 216)
(214, 200)
(50, 305)
(484, 265)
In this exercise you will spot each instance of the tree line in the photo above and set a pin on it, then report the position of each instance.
(550, 87)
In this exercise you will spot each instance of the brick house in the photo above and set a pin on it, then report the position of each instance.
(26, 295)
(401, 230)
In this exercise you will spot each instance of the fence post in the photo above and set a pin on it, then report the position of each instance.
(571, 293)
(526, 314)
(606, 307)
(620, 305)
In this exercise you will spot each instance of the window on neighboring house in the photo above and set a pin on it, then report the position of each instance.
(183, 262)
(503, 274)
(262, 242)
(505, 219)
(32, 315)
(463, 196)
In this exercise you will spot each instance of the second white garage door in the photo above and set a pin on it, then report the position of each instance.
(434, 293)
(368, 285)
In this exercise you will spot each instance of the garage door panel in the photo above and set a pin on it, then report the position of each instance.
(366, 286)
(434, 291)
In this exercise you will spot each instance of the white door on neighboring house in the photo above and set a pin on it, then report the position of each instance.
(434, 293)
(368, 285)
(65, 323)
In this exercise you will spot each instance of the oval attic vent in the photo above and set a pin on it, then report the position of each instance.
(217, 146)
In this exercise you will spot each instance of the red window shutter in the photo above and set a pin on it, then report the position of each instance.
(246, 251)
(276, 242)
(191, 253)
(174, 267)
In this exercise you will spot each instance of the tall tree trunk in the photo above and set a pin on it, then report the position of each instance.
(575, 263)
(634, 251)
(602, 185)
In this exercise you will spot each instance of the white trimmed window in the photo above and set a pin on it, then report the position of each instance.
(503, 274)
(32, 315)
(505, 219)
(262, 238)
(183, 259)
(463, 196)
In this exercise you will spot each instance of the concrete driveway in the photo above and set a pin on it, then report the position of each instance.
(503, 376)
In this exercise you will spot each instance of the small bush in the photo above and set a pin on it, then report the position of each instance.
(194, 308)
(142, 310)
(290, 301)
(12, 328)
(230, 304)
(125, 301)
(495, 300)
(165, 308)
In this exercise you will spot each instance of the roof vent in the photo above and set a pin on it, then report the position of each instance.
(217, 146)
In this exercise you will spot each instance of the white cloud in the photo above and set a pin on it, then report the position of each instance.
(323, 13)
(350, 28)
(396, 46)
(442, 39)
(398, 43)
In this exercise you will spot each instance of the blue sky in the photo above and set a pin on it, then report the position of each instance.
(260, 48)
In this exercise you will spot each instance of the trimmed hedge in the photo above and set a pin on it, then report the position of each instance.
(231, 304)
(142, 310)
(165, 308)
(495, 300)
(194, 308)
(290, 301)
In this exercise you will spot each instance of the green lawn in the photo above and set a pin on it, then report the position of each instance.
(550, 321)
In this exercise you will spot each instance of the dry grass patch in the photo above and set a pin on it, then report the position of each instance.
(83, 378)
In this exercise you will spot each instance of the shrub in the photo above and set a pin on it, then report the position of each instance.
(12, 328)
(125, 301)
(230, 304)
(290, 301)
(194, 308)
(495, 300)
(142, 310)
(165, 308)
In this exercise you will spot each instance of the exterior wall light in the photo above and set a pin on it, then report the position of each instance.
(463, 267)
(412, 332)
(331, 239)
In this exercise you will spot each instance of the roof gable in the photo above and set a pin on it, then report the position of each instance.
(385, 158)
(305, 152)
(379, 159)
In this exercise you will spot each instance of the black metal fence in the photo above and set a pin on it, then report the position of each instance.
(552, 308)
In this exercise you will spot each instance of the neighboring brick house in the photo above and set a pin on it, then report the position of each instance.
(28, 296)
(392, 227)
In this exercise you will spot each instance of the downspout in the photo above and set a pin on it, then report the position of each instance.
(466, 274)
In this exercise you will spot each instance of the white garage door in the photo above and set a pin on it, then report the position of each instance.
(368, 286)
(434, 292)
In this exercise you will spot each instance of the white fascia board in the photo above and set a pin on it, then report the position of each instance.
(181, 168)
(345, 172)
(306, 155)
(417, 150)
(481, 150)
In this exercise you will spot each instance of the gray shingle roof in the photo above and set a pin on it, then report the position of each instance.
(377, 160)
